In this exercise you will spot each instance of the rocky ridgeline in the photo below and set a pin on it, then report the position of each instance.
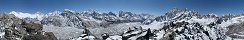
(92, 19)
(14, 28)
(177, 24)
(184, 25)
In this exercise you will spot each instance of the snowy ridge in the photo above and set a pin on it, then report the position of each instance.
(22, 15)
(177, 24)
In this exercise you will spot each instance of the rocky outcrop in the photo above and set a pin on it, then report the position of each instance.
(17, 29)
(46, 36)
(177, 24)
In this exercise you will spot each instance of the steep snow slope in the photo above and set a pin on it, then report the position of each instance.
(177, 24)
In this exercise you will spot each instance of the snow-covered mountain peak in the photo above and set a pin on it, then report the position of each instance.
(178, 14)
(68, 10)
(177, 24)
(27, 15)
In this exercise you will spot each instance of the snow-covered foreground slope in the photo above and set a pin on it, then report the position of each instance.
(177, 24)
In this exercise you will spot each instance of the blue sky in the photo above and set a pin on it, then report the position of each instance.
(155, 7)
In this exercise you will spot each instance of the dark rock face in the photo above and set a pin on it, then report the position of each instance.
(46, 36)
(124, 14)
(177, 14)
(50, 36)
(176, 25)
(148, 35)
(32, 27)
(105, 36)
(16, 29)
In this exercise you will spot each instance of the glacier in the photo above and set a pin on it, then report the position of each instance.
(177, 24)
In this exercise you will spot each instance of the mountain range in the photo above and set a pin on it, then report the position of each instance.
(177, 24)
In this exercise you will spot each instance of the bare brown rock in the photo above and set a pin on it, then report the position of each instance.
(16, 28)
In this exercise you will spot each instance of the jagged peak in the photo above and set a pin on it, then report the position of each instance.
(177, 11)
(111, 13)
(54, 13)
(94, 11)
(212, 14)
(174, 9)
(125, 12)
(68, 10)
(178, 14)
